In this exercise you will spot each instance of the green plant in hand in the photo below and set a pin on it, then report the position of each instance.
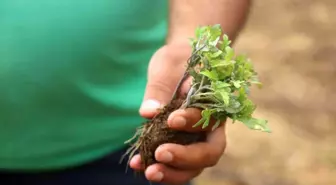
(220, 86)
(221, 81)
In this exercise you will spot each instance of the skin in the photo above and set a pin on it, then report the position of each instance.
(180, 164)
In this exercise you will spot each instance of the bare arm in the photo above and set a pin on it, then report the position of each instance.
(186, 15)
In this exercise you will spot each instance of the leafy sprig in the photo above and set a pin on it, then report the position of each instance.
(221, 81)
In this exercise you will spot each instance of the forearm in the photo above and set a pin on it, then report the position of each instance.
(186, 15)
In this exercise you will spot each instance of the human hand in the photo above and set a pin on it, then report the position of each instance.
(178, 164)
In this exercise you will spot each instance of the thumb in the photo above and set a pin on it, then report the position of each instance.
(165, 70)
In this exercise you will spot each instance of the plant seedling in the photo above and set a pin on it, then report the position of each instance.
(221, 82)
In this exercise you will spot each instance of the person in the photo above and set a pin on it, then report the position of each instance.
(73, 74)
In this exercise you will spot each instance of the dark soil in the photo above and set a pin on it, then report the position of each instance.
(156, 132)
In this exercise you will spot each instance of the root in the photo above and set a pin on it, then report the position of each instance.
(140, 133)
(145, 138)
(134, 147)
(137, 133)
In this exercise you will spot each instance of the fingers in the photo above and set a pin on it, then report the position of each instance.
(165, 70)
(135, 163)
(178, 163)
(150, 107)
(194, 156)
(162, 173)
(185, 119)
(168, 175)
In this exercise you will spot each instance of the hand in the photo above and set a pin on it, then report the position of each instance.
(178, 164)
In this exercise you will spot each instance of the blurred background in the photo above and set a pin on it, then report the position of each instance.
(293, 46)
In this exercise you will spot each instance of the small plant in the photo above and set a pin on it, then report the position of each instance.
(220, 86)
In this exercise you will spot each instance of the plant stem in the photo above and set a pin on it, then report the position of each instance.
(204, 94)
(201, 84)
(179, 84)
(205, 105)
(192, 62)
(205, 87)
(188, 98)
(211, 99)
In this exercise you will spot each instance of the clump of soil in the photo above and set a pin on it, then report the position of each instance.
(156, 132)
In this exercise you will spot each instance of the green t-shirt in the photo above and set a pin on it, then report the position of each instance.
(72, 77)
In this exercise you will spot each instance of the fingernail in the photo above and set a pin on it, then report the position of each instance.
(158, 176)
(179, 121)
(166, 157)
(150, 105)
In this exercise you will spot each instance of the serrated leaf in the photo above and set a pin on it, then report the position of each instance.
(226, 40)
(210, 74)
(214, 42)
(215, 32)
(216, 54)
(223, 63)
(229, 53)
(199, 32)
(217, 85)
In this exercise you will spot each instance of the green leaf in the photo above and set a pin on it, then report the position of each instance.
(223, 96)
(223, 63)
(200, 122)
(229, 53)
(224, 43)
(210, 74)
(215, 32)
(254, 80)
(216, 125)
(234, 106)
(256, 124)
(218, 85)
(226, 40)
(237, 84)
(199, 32)
(216, 54)
(206, 116)
(248, 108)
(206, 123)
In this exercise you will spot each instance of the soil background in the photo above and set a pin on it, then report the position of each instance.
(293, 46)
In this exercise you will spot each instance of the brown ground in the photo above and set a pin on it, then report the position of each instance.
(293, 46)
